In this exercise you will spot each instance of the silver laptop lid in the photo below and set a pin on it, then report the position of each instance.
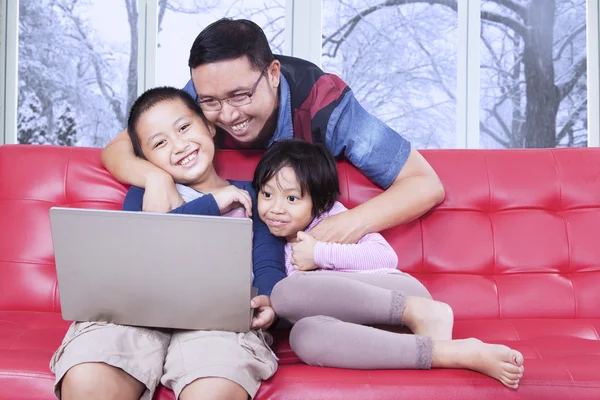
(150, 269)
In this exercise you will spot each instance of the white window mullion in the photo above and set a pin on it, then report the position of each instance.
(9, 52)
(288, 43)
(468, 81)
(306, 29)
(593, 76)
(147, 44)
(2, 68)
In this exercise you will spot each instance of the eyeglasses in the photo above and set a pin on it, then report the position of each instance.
(237, 100)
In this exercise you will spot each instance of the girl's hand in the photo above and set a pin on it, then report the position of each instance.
(232, 197)
(303, 252)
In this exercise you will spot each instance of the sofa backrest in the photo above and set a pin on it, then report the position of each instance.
(517, 236)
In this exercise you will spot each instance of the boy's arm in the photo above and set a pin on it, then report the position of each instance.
(118, 158)
(205, 205)
(371, 252)
(411, 185)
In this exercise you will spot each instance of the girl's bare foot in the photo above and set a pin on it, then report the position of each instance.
(426, 317)
(496, 361)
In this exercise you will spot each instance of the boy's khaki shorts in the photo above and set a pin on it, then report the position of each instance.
(174, 358)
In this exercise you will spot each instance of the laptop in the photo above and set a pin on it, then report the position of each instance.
(154, 269)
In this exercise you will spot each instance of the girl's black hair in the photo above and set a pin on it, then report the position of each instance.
(314, 166)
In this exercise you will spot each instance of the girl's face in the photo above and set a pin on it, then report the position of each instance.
(177, 140)
(282, 207)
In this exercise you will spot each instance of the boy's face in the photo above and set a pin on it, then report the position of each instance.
(177, 140)
(282, 207)
(220, 80)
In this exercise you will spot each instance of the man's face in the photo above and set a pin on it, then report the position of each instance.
(224, 79)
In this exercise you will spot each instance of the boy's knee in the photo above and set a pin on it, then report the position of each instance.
(213, 388)
(99, 380)
(308, 341)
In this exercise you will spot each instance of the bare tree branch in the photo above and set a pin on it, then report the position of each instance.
(511, 5)
(568, 82)
(493, 135)
(568, 40)
(573, 117)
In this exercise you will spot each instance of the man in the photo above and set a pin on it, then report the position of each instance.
(255, 99)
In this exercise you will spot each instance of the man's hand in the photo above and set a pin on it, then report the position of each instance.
(160, 193)
(232, 197)
(264, 314)
(339, 228)
(303, 252)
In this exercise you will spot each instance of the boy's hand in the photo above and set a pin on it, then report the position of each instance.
(232, 197)
(303, 252)
(264, 314)
(160, 194)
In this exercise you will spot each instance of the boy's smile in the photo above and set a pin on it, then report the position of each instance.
(177, 140)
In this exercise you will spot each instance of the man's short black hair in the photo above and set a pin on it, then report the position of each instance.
(314, 166)
(228, 39)
(149, 99)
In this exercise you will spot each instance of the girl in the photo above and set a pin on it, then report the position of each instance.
(334, 291)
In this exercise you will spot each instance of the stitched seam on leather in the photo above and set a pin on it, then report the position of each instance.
(516, 331)
(66, 176)
(487, 173)
(596, 332)
(489, 212)
(538, 353)
(568, 372)
(55, 292)
(560, 198)
(15, 341)
(494, 265)
(570, 264)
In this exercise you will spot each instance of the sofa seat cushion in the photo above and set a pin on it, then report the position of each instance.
(27, 342)
(561, 362)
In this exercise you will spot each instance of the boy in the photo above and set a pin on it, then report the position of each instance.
(106, 361)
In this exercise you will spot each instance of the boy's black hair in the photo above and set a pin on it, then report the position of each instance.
(149, 99)
(313, 164)
(227, 39)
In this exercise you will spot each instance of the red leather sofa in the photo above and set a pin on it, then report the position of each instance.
(514, 249)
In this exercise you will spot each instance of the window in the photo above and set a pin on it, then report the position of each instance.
(77, 70)
(179, 22)
(533, 74)
(443, 73)
(400, 61)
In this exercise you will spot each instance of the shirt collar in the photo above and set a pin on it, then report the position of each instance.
(285, 127)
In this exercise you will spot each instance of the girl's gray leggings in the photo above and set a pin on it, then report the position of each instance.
(331, 312)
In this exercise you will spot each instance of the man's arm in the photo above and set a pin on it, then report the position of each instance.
(118, 158)
(416, 190)
(411, 185)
